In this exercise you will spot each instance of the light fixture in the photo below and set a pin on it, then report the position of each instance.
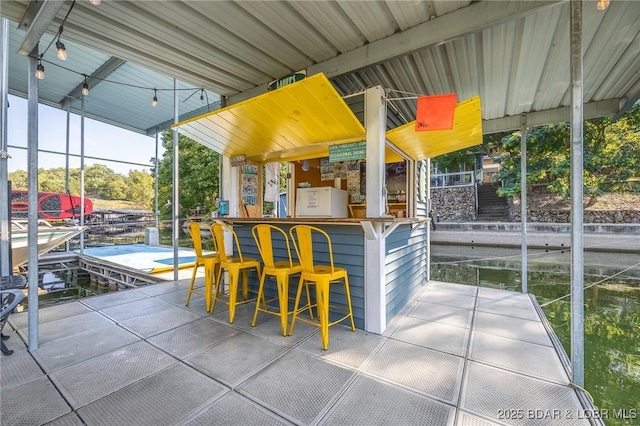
(62, 51)
(96, 2)
(40, 70)
(202, 96)
(602, 4)
(85, 87)
(154, 102)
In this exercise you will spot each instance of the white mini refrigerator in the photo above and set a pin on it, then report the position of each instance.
(324, 201)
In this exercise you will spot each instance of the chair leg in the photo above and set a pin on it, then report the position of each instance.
(283, 298)
(260, 296)
(5, 350)
(193, 280)
(233, 294)
(309, 301)
(295, 306)
(322, 292)
(348, 294)
(217, 292)
(208, 286)
(245, 284)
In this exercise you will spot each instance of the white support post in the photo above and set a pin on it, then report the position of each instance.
(176, 184)
(375, 117)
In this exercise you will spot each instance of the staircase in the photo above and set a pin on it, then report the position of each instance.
(491, 208)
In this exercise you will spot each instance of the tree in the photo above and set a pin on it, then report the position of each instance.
(140, 188)
(198, 170)
(611, 157)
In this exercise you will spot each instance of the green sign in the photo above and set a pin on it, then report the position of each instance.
(347, 152)
(292, 78)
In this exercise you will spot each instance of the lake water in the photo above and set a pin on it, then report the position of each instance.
(612, 310)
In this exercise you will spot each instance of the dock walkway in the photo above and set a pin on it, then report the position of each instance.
(456, 355)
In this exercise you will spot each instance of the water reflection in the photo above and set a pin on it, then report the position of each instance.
(612, 310)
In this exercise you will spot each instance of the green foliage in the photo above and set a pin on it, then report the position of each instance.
(611, 157)
(100, 182)
(198, 176)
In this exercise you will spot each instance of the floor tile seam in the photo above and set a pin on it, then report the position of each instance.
(537, 321)
(369, 359)
(437, 322)
(444, 304)
(409, 388)
(464, 374)
(430, 348)
(456, 293)
(548, 344)
(273, 339)
(520, 373)
(541, 380)
(508, 316)
(248, 376)
(442, 321)
(266, 406)
(515, 339)
(124, 327)
(213, 401)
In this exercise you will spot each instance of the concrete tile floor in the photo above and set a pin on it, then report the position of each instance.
(455, 355)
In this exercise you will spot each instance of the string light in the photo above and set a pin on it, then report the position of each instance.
(40, 69)
(602, 4)
(154, 102)
(85, 87)
(62, 51)
(202, 96)
(96, 2)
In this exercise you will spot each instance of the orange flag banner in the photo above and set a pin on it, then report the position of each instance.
(435, 112)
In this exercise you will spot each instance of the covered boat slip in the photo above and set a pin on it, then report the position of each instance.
(384, 245)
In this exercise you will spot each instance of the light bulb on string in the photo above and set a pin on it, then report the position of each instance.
(85, 87)
(602, 4)
(154, 102)
(202, 96)
(96, 2)
(40, 70)
(62, 51)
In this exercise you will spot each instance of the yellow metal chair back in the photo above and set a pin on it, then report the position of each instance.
(263, 235)
(322, 275)
(234, 265)
(210, 262)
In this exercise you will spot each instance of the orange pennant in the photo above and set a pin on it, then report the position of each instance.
(435, 112)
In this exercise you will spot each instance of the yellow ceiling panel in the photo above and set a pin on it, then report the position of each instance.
(292, 118)
(466, 132)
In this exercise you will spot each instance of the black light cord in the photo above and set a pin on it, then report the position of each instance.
(57, 36)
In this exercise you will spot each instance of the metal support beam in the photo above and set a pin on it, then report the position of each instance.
(523, 199)
(82, 202)
(5, 263)
(36, 20)
(32, 215)
(176, 184)
(550, 116)
(577, 230)
(93, 80)
(156, 208)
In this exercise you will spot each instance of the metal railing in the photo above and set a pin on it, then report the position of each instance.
(445, 180)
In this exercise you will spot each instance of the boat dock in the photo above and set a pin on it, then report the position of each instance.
(455, 355)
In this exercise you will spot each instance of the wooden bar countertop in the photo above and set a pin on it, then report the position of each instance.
(325, 220)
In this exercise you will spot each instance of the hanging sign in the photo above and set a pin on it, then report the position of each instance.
(348, 151)
(435, 112)
(238, 160)
(289, 79)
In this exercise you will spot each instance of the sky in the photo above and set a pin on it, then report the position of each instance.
(101, 140)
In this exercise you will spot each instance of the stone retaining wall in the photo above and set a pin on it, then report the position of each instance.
(564, 216)
(454, 204)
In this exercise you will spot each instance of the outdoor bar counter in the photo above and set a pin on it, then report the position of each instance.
(386, 259)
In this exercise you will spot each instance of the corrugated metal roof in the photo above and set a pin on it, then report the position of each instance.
(466, 132)
(513, 54)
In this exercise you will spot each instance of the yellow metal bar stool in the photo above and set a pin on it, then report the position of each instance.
(281, 270)
(234, 265)
(322, 275)
(211, 262)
